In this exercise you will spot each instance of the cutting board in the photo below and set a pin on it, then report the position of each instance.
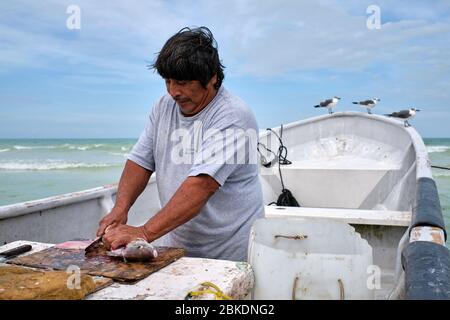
(99, 264)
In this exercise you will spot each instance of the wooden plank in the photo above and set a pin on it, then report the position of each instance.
(99, 265)
(351, 216)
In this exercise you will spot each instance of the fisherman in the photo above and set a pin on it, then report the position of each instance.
(209, 190)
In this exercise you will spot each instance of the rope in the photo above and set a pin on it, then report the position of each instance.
(219, 295)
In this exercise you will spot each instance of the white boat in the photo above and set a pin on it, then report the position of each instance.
(357, 169)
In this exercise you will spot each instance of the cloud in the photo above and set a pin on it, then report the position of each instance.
(116, 40)
(298, 51)
(277, 39)
(257, 38)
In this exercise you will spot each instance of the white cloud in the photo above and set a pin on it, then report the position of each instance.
(315, 42)
(257, 38)
(274, 39)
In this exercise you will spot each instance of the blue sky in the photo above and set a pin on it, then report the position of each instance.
(281, 57)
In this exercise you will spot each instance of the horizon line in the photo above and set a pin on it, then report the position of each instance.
(91, 138)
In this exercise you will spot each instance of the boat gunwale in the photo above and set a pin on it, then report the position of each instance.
(28, 207)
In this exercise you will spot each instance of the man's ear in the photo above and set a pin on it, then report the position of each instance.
(214, 80)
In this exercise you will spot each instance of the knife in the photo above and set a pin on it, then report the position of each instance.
(14, 252)
(93, 244)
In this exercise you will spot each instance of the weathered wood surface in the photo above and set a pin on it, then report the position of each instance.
(99, 264)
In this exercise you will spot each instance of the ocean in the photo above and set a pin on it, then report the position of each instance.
(34, 169)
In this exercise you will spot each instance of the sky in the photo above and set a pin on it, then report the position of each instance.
(61, 79)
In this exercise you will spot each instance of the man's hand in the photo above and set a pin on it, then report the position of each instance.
(113, 219)
(121, 235)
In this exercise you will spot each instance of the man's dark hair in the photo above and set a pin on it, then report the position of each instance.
(190, 54)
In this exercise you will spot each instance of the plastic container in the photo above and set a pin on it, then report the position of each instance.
(308, 259)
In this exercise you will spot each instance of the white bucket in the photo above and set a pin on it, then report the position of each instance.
(309, 259)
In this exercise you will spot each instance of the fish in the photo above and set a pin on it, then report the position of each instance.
(137, 250)
(74, 244)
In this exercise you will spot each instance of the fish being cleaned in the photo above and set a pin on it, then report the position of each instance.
(137, 250)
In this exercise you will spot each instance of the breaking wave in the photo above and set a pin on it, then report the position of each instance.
(125, 155)
(432, 149)
(73, 147)
(51, 165)
(18, 147)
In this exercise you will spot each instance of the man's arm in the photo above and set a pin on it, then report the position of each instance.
(132, 183)
(185, 204)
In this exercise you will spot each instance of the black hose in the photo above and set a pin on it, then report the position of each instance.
(285, 199)
(438, 167)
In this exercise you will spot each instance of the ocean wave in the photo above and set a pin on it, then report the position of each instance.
(86, 147)
(432, 149)
(31, 148)
(125, 155)
(74, 147)
(50, 165)
(441, 174)
(4, 150)
(81, 148)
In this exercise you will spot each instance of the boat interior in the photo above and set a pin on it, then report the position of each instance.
(351, 171)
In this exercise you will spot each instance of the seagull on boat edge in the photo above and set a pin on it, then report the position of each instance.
(404, 114)
(329, 104)
(368, 104)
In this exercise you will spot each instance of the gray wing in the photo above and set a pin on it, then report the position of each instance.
(326, 102)
(366, 102)
(401, 114)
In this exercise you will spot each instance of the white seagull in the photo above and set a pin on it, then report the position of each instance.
(404, 114)
(329, 104)
(368, 104)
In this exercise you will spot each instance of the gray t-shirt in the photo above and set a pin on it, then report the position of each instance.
(219, 141)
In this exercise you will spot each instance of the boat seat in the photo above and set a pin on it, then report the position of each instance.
(346, 183)
(350, 216)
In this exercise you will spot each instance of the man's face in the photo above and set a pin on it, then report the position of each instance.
(190, 95)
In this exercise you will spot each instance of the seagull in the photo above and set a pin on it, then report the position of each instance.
(404, 114)
(329, 104)
(369, 104)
